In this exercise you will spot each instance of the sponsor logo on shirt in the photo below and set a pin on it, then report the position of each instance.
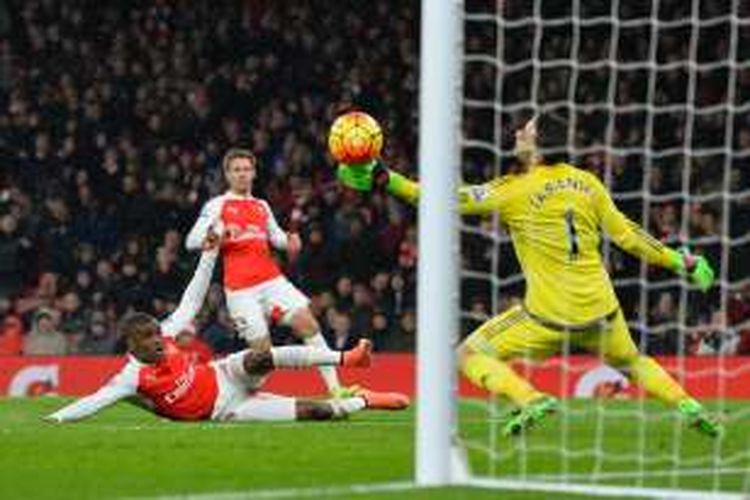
(182, 385)
(235, 232)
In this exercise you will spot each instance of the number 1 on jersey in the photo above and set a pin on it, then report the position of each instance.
(572, 234)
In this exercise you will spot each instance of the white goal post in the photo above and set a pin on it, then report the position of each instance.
(438, 271)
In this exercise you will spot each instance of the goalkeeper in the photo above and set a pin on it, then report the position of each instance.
(554, 213)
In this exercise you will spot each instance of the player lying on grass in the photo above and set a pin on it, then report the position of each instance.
(554, 213)
(175, 387)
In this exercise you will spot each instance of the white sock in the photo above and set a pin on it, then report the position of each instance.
(298, 356)
(342, 407)
(330, 377)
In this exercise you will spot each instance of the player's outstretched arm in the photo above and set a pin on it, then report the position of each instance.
(122, 386)
(473, 199)
(375, 174)
(193, 297)
(637, 241)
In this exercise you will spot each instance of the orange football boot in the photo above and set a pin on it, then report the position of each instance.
(384, 400)
(359, 356)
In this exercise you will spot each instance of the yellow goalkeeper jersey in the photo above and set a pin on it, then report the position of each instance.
(555, 215)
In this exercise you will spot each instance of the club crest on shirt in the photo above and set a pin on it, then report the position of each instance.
(479, 193)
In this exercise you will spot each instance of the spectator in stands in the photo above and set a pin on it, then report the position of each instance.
(343, 296)
(662, 331)
(340, 335)
(11, 336)
(45, 339)
(738, 308)
(717, 339)
(316, 261)
(477, 314)
(743, 344)
(404, 339)
(362, 310)
(166, 280)
(391, 235)
(13, 249)
(402, 295)
(379, 288)
(100, 339)
(357, 250)
(380, 331)
(43, 295)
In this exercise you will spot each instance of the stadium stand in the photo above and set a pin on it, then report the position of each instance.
(113, 121)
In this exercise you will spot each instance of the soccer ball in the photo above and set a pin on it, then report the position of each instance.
(355, 138)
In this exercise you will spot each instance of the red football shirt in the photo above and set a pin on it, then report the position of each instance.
(248, 260)
(179, 388)
(250, 231)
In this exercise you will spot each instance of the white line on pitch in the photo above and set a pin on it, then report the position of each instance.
(645, 473)
(291, 492)
(603, 490)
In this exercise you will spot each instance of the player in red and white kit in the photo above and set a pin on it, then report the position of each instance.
(245, 229)
(175, 386)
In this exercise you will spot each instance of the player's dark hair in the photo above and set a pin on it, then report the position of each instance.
(552, 128)
(135, 324)
(234, 153)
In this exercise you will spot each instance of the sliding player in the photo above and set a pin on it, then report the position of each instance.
(174, 386)
(554, 213)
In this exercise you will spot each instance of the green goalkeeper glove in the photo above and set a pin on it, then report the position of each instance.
(695, 267)
(364, 176)
(376, 176)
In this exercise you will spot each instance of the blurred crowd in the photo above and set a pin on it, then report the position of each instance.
(112, 123)
(113, 120)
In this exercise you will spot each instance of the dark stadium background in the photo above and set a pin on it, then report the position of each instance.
(113, 118)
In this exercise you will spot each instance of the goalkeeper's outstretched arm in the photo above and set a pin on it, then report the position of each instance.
(635, 240)
(482, 199)
(473, 199)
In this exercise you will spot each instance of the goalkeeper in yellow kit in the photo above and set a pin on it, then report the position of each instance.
(554, 213)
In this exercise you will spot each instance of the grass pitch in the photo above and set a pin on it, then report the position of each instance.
(125, 452)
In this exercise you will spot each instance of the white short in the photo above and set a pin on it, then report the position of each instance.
(239, 399)
(251, 308)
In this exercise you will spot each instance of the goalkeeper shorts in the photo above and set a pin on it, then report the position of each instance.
(515, 334)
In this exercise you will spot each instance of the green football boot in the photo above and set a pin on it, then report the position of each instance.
(530, 415)
(699, 419)
(345, 392)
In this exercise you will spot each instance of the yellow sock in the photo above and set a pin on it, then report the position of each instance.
(655, 379)
(498, 378)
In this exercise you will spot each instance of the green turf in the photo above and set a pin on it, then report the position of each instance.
(644, 445)
(126, 452)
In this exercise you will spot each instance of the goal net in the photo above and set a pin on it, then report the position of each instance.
(659, 94)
